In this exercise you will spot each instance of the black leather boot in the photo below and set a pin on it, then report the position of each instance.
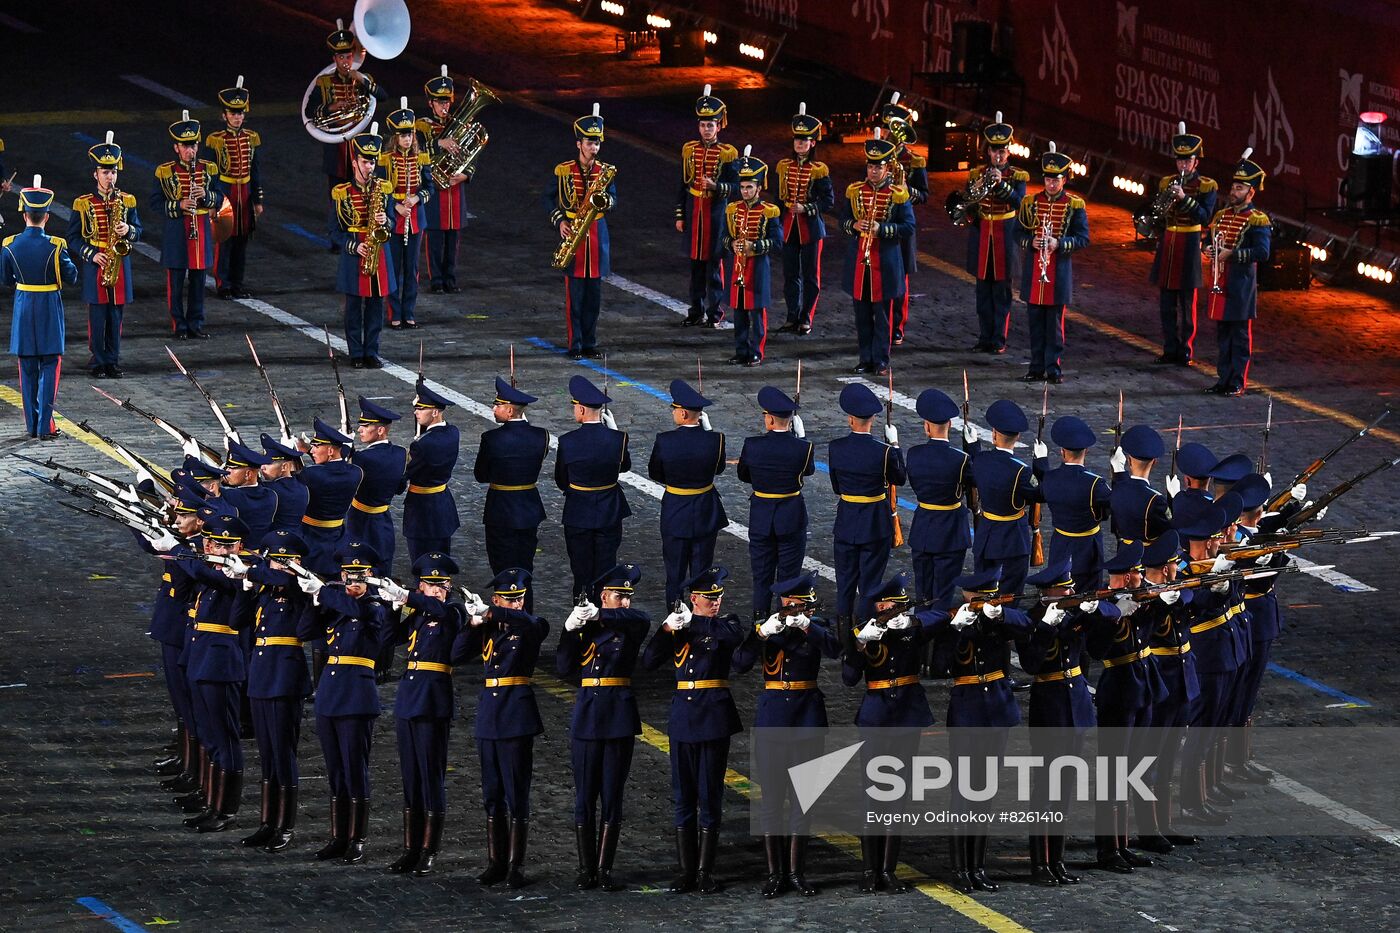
(797, 866)
(705, 879)
(432, 843)
(607, 853)
(519, 837)
(198, 798)
(267, 817)
(227, 801)
(496, 850)
(286, 819)
(957, 855)
(585, 837)
(412, 842)
(889, 866)
(188, 777)
(1150, 836)
(174, 763)
(340, 830)
(1057, 861)
(977, 869)
(1121, 834)
(359, 825)
(1040, 862)
(872, 849)
(1165, 811)
(687, 856)
(773, 847)
(210, 792)
(1109, 857)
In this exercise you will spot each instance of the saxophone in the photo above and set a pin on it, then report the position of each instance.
(116, 247)
(377, 235)
(596, 199)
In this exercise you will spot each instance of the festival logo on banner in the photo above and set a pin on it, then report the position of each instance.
(874, 12)
(1127, 29)
(1272, 135)
(1162, 76)
(938, 37)
(1057, 61)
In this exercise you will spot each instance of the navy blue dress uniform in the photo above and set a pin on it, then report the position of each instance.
(776, 463)
(292, 495)
(448, 208)
(187, 239)
(600, 656)
(1079, 502)
(748, 276)
(91, 232)
(37, 265)
(365, 281)
(993, 249)
(353, 630)
(702, 719)
(256, 503)
(790, 723)
(423, 711)
(1047, 280)
(235, 151)
(911, 171)
(1244, 231)
(278, 684)
(429, 511)
(407, 170)
(686, 461)
(507, 721)
(940, 476)
(509, 459)
(331, 488)
(567, 199)
(1007, 486)
(804, 194)
(700, 210)
(894, 709)
(587, 465)
(1195, 462)
(862, 471)
(335, 92)
(1139, 512)
(384, 465)
(875, 274)
(1265, 626)
(1176, 265)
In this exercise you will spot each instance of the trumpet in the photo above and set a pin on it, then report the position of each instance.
(1217, 243)
(960, 203)
(1044, 257)
(595, 201)
(116, 247)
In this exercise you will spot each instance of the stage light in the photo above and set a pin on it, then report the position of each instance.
(1079, 168)
(611, 6)
(1319, 253)
(711, 37)
(1019, 150)
(752, 51)
(1129, 186)
(658, 22)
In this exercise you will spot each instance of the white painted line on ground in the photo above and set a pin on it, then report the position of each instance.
(656, 297)
(1330, 575)
(1335, 809)
(146, 84)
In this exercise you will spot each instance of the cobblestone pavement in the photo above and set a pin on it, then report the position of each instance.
(82, 704)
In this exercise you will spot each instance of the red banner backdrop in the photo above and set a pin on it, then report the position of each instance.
(1115, 76)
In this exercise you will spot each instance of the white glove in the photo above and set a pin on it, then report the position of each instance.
(705, 421)
(190, 448)
(1299, 492)
(1054, 615)
(234, 567)
(1039, 450)
(309, 585)
(1269, 478)
(1126, 605)
(578, 617)
(287, 440)
(248, 585)
(1263, 560)
(1221, 564)
(1222, 587)
(991, 610)
(1173, 486)
(891, 435)
(963, 617)
(969, 434)
(608, 419)
(900, 622)
(798, 429)
(1089, 606)
(1118, 460)
(1170, 597)
(472, 603)
(305, 438)
(1322, 513)
(393, 593)
(163, 542)
(773, 626)
(679, 620)
(871, 632)
(801, 620)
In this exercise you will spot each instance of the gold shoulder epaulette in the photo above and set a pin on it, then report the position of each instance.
(687, 149)
(1076, 202)
(211, 167)
(917, 161)
(58, 241)
(821, 170)
(1208, 184)
(1020, 174)
(340, 192)
(215, 140)
(254, 138)
(1259, 219)
(128, 200)
(8, 240)
(81, 202)
(731, 208)
(771, 211)
(164, 170)
(727, 153)
(425, 159)
(900, 195)
(563, 170)
(852, 188)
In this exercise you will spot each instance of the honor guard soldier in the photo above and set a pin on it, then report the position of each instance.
(804, 193)
(876, 216)
(1239, 241)
(708, 181)
(790, 724)
(278, 684)
(568, 201)
(507, 639)
(1139, 512)
(341, 90)
(941, 477)
(235, 151)
(1195, 463)
(279, 473)
(384, 465)
(686, 461)
(598, 651)
(37, 265)
(429, 511)
(751, 233)
(1079, 501)
(103, 228)
(331, 481)
(992, 200)
(699, 643)
(256, 503)
(862, 472)
(1007, 486)
(887, 650)
(776, 463)
(1176, 266)
(1053, 225)
(366, 274)
(587, 465)
(423, 709)
(911, 171)
(405, 165)
(354, 625)
(509, 459)
(188, 194)
(447, 211)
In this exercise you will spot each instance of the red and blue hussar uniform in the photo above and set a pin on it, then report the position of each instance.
(331, 488)
(700, 210)
(940, 476)
(365, 281)
(748, 275)
(1079, 502)
(568, 200)
(686, 461)
(406, 166)
(911, 171)
(509, 459)
(37, 266)
(587, 465)
(92, 232)
(187, 239)
(1047, 281)
(1176, 265)
(446, 213)
(1244, 231)
(875, 261)
(993, 250)
(235, 150)
(1006, 485)
(429, 511)
(384, 465)
(339, 89)
(776, 463)
(804, 193)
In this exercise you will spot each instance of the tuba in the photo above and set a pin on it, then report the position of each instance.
(595, 201)
(1150, 219)
(382, 28)
(960, 203)
(469, 135)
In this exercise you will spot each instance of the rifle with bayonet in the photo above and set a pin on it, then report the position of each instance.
(144, 469)
(230, 432)
(973, 500)
(1180, 420)
(1278, 501)
(125, 491)
(187, 441)
(1310, 512)
(1037, 541)
(1265, 545)
(104, 505)
(339, 387)
(1143, 594)
(282, 425)
(1263, 465)
(897, 540)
